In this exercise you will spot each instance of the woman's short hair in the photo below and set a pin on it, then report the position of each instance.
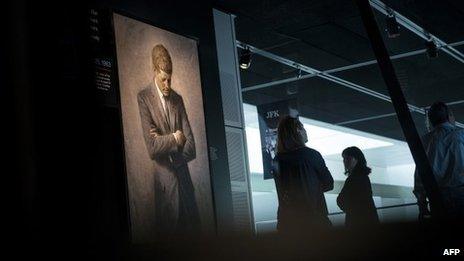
(161, 59)
(356, 153)
(438, 113)
(288, 135)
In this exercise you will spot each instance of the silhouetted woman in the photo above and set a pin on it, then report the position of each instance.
(301, 179)
(355, 199)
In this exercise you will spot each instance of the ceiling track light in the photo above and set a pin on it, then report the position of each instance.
(245, 58)
(393, 29)
(432, 49)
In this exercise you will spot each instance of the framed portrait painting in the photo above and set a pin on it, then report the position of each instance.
(165, 146)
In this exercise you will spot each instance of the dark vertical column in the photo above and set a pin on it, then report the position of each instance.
(401, 108)
(17, 127)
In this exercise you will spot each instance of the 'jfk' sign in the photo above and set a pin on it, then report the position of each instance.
(269, 116)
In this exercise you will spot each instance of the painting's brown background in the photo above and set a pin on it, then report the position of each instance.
(134, 42)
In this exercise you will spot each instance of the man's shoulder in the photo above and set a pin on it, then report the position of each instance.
(458, 134)
(312, 152)
(444, 135)
(175, 97)
(144, 92)
(458, 131)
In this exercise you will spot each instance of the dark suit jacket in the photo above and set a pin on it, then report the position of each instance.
(175, 205)
(163, 149)
(301, 179)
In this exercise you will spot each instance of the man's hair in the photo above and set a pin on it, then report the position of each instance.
(161, 59)
(438, 113)
(288, 137)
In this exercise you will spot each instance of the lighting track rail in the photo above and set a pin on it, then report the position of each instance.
(418, 30)
(327, 76)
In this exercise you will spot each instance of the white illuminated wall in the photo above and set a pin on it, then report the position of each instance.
(390, 160)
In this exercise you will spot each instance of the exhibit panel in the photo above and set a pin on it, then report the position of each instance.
(165, 146)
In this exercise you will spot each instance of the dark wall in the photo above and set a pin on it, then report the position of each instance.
(68, 148)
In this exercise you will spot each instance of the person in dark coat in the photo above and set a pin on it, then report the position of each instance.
(355, 199)
(301, 179)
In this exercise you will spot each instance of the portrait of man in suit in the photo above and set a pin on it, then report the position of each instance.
(164, 131)
(171, 145)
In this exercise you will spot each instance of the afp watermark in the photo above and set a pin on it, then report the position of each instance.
(451, 252)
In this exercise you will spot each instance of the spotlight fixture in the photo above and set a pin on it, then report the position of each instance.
(393, 29)
(432, 49)
(292, 88)
(245, 58)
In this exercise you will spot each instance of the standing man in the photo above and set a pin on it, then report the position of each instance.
(444, 146)
(170, 144)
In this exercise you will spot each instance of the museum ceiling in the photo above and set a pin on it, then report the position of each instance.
(325, 35)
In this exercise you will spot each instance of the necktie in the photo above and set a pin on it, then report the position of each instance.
(167, 110)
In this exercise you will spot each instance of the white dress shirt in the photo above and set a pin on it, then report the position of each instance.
(163, 102)
(161, 96)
